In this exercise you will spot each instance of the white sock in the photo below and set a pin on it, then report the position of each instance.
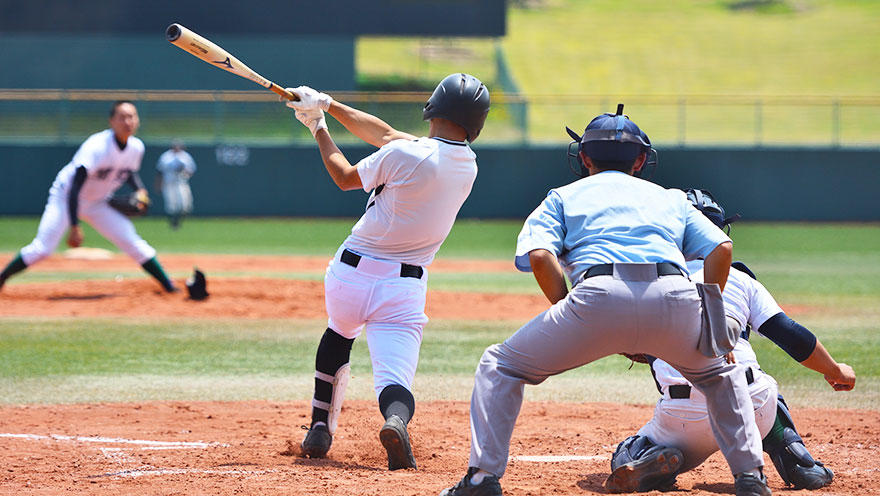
(478, 477)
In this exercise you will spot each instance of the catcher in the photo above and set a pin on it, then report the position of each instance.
(679, 438)
(83, 189)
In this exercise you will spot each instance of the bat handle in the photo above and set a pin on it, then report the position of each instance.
(283, 93)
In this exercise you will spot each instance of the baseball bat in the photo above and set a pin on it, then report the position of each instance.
(201, 47)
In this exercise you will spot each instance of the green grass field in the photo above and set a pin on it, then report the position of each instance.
(829, 274)
(656, 56)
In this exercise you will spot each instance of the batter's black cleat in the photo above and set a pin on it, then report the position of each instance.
(395, 439)
(489, 486)
(749, 484)
(317, 442)
(656, 469)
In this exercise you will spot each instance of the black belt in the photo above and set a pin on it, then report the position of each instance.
(663, 269)
(683, 391)
(406, 270)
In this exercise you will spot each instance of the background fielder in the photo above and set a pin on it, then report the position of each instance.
(376, 282)
(175, 167)
(101, 165)
(678, 437)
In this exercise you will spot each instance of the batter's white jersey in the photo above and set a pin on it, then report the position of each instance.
(107, 165)
(423, 184)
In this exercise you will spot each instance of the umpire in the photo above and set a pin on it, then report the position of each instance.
(623, 242)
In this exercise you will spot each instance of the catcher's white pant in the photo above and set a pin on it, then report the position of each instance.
(684, 423)
(178, 197)
(391, 309)
(114, 226)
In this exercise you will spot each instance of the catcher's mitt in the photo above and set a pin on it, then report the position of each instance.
(132, 204)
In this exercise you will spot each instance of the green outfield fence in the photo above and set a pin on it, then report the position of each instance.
(66, 116)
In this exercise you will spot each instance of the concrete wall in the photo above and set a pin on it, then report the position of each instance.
(762, 184)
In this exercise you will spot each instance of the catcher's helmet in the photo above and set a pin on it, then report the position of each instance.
(462, 99)
(703, 200)
(610, 138)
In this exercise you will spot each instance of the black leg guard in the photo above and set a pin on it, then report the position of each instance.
(639, 465)
(334, 351)
(397, 400)
(790, 456)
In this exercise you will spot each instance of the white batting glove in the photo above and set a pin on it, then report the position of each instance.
(309, 99)
(312, 119)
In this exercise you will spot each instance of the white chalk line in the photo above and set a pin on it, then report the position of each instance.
(557, 458)
(177, 471)
(116, 440)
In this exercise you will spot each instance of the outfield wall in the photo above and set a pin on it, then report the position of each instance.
(820, 184)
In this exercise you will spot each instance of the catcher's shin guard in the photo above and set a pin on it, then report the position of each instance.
(639, 464)
(790, 456)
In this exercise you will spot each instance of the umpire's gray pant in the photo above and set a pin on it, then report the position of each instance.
(632, 311)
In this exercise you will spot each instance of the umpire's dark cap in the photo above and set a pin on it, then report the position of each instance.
(612, 138)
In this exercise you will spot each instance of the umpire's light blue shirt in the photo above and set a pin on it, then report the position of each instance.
(612, 217)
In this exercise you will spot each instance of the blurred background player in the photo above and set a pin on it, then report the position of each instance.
(103, 163)
(679, 438)
(175, 167)
(377, 282)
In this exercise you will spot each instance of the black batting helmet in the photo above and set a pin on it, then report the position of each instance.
(611, 138)
(703, 201)
(462, 99)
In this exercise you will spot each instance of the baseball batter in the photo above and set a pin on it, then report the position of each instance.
(175, 167)
(679, 438)
(101, 165)
(623, 243)
(377, 281)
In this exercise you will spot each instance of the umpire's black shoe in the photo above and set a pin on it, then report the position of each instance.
(489, 486)
(749, 484)
(317, 441)
(395, 439)
(657, 468)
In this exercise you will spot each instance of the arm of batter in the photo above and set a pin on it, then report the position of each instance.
(75, 236)
(344, 175)
(549, 274)
(369, 128)
(716, 266)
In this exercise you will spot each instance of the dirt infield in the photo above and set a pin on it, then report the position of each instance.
(232, 448)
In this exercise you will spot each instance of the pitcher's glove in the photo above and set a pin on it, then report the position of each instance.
(132, 204)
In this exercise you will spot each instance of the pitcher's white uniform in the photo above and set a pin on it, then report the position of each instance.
(683, 423)
(418, 188)
(108, 167)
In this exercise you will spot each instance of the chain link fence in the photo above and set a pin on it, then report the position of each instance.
(256, 117)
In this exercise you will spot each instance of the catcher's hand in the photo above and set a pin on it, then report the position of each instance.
(131, 205)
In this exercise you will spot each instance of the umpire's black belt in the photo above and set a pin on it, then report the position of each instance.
(663, 269)
(406, 270)
(683, 391)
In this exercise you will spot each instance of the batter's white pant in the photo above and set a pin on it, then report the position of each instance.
(632, 311)
(389, 308)
(114, 226)
(684, 423)
(178, 197)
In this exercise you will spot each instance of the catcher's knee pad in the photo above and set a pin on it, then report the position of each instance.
(790, 456)
(338, 384)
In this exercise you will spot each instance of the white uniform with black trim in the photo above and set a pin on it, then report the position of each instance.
(418, 188)
(108, 167)
(683, 423)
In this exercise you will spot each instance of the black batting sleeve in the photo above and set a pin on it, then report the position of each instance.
(793, 338)
(134, 179)
(79, 177)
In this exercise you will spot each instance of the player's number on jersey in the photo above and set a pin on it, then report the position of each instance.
(121, 175)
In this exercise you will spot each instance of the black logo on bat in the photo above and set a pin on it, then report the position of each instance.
(226, 62)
